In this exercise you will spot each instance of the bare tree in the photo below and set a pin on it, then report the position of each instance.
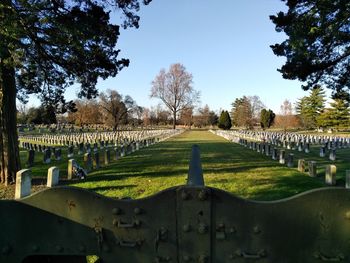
(115, 108)
(286, 119)
(174, 89)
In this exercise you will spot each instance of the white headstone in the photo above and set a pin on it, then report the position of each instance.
(23, 183)
(53, 175)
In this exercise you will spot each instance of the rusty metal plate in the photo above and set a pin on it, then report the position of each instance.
(181, 224)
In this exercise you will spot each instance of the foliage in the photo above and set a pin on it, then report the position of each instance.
(318, 45)
(213, 118)
(87, 112)
(116, 108)
(266, 118)
(246, 111)
(224, 121)
(310, 107)
(174, 89)
(48, 41)
(45, 47)
(41, 115)
(336, 116)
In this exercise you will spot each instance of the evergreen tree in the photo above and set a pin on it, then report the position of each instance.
(337, 116)
(266, 118)
(45, 47)
(310, 107)
(213, 118)
(317, 47)
(224, 121)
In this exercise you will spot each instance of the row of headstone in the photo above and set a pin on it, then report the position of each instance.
(302, 146)
(57, 152)
(103, 139)
(24, 181)
(290, 141)
(265, 148)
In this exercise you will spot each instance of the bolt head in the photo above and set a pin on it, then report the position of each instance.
(203, 195)
(35, 248)
(116, 211)
(186, 228)
(202, 228)
(59, 248)
(186, 258)
(6, 250)
(256, 230)
(184, 195)
(137, 211)
(202, 259)
(105, 248)
(82, 248)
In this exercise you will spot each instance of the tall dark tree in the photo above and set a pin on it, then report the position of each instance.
(266, 118)
(246, 111)
(46, 46)
(213, 118)
(336, 116)
(318, 44)
(310, 107)
(225, 121)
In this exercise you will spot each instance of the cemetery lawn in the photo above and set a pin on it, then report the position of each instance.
(226, 166)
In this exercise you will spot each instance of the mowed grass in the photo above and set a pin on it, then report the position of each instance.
(226, 165)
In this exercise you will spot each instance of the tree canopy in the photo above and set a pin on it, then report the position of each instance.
(310, 107)
(224, 121)
(45, 47)
(266, 118)
(174, 89)
(246, 111)
(335, 116)
(318, 45)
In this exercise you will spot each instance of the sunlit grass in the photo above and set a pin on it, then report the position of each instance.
(226, 165)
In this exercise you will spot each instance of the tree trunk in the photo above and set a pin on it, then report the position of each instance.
(9, 162)
(174, 120)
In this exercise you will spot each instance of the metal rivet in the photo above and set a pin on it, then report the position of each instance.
(202, 228)
(203, 195)
(232, 230)
(116, 211)
(202, 259)
(59, 248)
(105, 248)
(5, 250)
(184, 195)
(257, 230)
(221, 225)
(82, 248)
(137, 211)
(35, 248)
(186, 258)
(186, 228)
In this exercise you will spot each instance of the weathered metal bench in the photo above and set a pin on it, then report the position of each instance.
(190, 223)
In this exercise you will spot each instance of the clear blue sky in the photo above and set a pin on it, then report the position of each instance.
(224, 44)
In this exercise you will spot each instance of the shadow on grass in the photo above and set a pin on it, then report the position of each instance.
(112, 188)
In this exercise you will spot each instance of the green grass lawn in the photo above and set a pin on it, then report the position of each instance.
(226, 165)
